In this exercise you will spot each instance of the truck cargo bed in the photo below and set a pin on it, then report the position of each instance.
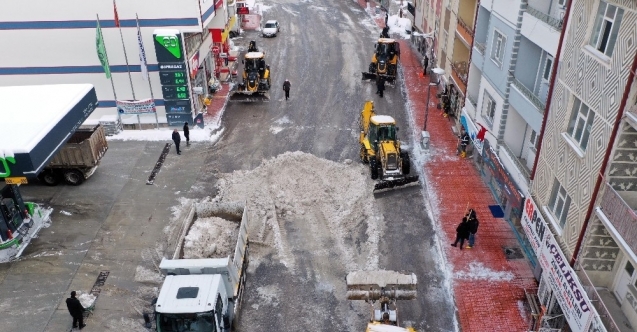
(84, 149)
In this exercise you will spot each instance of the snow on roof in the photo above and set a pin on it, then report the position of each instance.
(383, 119)
(26, 121)
(208, 286)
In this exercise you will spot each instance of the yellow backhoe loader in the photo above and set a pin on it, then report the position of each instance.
(381, 289)
(384, 61)
(256, 80)
(380, 147)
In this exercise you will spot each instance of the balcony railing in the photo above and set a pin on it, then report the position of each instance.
(541, 105)
(518, 163)
(480, 46)
(552, 21)
(473, 100)
(621, 215)
(466, 27)
(596, 300)
(462, 70)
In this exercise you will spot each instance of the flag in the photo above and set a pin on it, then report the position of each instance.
(481, 133)
(115, 12)
(101, 50)
(142, 52)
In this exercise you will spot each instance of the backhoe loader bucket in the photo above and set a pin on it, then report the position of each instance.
(372, 285)
(369, 76)
(389, 184)
(372, 76)
(248, 97)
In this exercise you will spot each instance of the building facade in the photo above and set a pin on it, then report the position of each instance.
(53, 45)
(583, 191)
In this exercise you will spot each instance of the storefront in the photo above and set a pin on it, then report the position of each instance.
(220, 45)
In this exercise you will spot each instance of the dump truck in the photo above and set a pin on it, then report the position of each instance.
(380, 148)
(204, 294)
(78, 159)
(381, 289)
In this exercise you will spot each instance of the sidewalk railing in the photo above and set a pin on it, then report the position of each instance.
(518, 163)
(552, 21)
(621, 215)
(596, 299)
(535, 100)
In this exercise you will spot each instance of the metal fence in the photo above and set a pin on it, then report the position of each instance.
(596, 300)
(535, 100)
(621, 215)
(548, 19)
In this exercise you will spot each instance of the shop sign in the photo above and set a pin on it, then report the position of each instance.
(178, 106)
(136, 106)
(173, 78)
(174, 92)
(178, 119)
(563, 281)
(215, 49)
(194, 65)
(243, 10)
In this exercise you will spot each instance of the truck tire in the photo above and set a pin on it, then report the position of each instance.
(406, 163)
(373, 168)
(73, 177)
(50, 178)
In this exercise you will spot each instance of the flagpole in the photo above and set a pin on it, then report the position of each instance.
(130, 79)
(150, 86)
(119, 116)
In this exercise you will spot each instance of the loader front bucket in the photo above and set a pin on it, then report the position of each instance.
(389, 184)
(369, 76)
(243, 97)
(372, 285)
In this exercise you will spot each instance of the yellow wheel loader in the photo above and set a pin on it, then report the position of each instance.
(256, 80)
(381, 289)
(384, 61)
(381, 149)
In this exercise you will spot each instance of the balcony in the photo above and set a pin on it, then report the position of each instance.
(480, 47)
(517, 161)
(556, 23)
(540, 104)
(460, 74)
(620, 215)
(465, 32)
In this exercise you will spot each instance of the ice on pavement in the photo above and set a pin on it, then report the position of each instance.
(477, 271)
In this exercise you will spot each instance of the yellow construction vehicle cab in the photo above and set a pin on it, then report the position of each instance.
(380, 147)
(384, 60)
(256, 79)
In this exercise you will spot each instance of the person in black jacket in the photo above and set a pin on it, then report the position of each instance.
(473, 227)
(187, 133)
(76, 310)
(380, 85)
(464, 142)
(286, 88)
(177, 140)
(462, 232)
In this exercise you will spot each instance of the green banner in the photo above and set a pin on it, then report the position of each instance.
(101, 50)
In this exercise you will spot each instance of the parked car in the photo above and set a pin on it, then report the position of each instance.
(271, 28)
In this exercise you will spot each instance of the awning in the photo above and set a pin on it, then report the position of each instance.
(37, 121)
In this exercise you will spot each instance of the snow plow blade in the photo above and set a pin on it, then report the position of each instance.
(372, 285)
(372, 76)
(242, 97)
(389, 184)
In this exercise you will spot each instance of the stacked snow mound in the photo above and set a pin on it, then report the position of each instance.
(86, 299)
(231, 210)
(211, 237)
(330, 200)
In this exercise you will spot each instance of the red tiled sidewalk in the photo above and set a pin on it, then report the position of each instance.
(484, 304)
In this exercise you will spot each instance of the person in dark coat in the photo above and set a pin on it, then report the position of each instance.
(385, 33)
(187, 133)
(286, 88)
(425, 63)
(473, 227)
(380, 86)
(177, 140)
(386, 18)
(462, 232)
(76, 310)
(252, 47)
(464, 142)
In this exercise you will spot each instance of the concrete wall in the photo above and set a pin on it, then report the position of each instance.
(480, 117)
(540, 33)
(498, 74)
(528, 62)
(482, 26)
(514, 132)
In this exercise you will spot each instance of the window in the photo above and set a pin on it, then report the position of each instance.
(533, 140)
(488, 108)
(559, 202)
(579, 127)
(499, 43)
(605, 29)
(548, 66)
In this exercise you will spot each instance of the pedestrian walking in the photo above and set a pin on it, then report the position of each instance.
(380, 85)
(187, 133)
(76, 310)
(425, 63)
(462, 232)
(384, 33)
(177, 140)
(286, 88)
(473, 227)
(464, 142)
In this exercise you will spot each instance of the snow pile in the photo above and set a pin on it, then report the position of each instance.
(211, 238)
(87, 299)
(143, 274)
(209, 133)
(398, 25)
(65, 213)
(332, 200)
(477, 271)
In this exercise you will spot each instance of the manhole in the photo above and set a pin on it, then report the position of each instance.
(513, 253)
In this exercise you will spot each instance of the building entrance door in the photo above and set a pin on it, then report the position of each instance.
(623, 280)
